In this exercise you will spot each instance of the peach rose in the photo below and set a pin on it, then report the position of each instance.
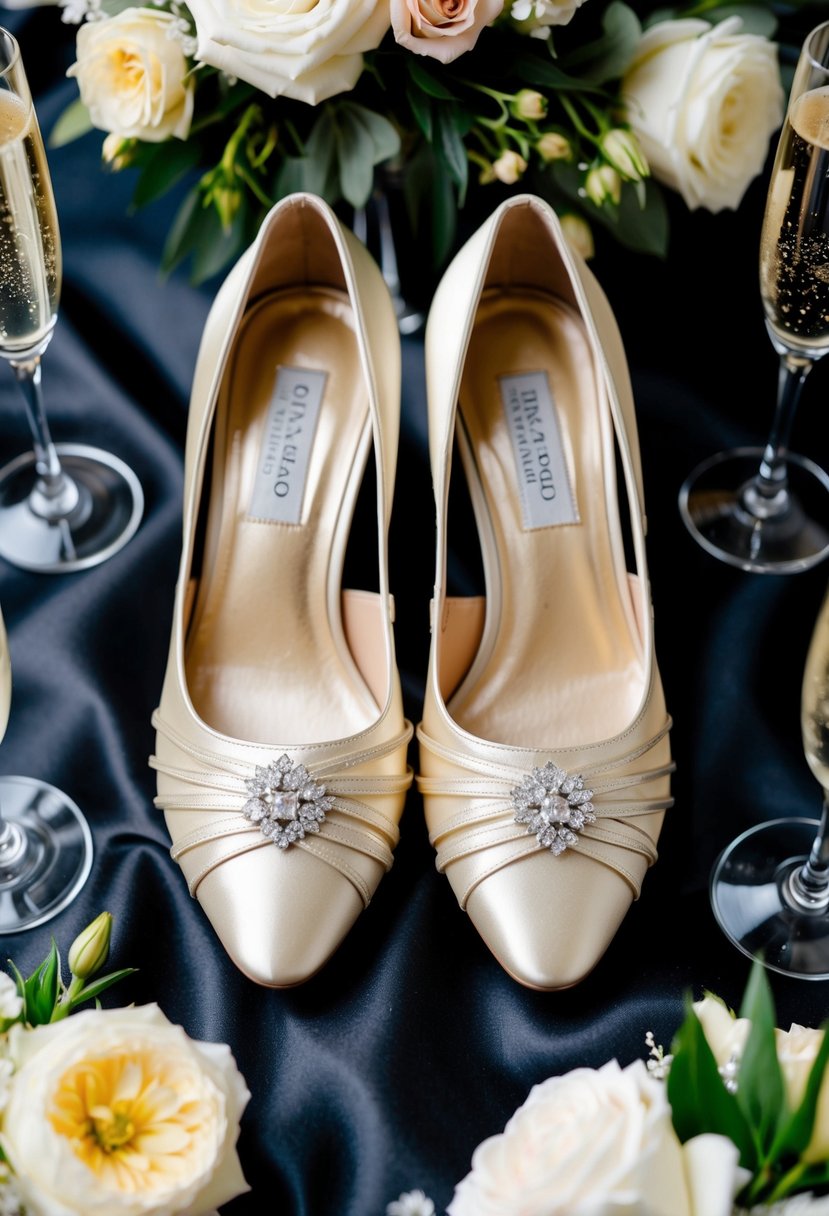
(443, 29)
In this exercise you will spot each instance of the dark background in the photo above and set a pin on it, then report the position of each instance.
(384, 1072)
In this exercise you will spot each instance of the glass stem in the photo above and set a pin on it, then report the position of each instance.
(767, 495)
(55, 495)
(808, 886)
(14, 846)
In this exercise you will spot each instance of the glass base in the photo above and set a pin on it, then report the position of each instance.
(109, 507)
(711, 508)
(751, 900)
(49, 858)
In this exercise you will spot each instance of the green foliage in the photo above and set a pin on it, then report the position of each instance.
(73, 122)
(771, 1138)
(46, 998)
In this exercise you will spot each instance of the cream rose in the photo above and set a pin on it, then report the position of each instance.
(594, 1142)
(442, 29)
(133, 77)
(307, 49)
(796, 1051)
(704, 101)
(119, 1113)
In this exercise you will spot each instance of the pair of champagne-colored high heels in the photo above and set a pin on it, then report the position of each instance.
(281, 741)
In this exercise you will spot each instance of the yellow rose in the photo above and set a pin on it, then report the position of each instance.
(119, 1113)
(133, 77)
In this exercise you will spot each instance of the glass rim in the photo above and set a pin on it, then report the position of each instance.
(15, 46)
(807, 47)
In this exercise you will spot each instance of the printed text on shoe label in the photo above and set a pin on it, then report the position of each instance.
(546, 494)
(287, 443)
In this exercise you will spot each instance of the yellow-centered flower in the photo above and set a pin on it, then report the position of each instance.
(133, 1119)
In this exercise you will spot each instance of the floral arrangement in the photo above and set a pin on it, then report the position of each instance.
(579, 102)
(735, 1119)
(114, 1112)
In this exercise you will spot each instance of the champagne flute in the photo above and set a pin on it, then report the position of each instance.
(64, 507)
(45, 842)
(767, 510)
(770, 888)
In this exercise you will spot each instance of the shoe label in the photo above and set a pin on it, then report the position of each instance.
(287, 443)
(546, 494)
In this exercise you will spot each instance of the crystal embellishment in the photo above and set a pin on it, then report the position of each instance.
(285, 802)
(554, 806)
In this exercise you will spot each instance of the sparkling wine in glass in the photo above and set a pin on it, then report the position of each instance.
(66, 506)
(767, 510)
(45, 842)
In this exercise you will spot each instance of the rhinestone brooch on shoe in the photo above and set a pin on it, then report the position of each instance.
(554, 806)
(285, 802)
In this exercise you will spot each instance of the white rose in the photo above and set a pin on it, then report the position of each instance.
(704, 101)
(307, 49)
(725, 1033)
(585, 1144)
(133, 77)
(11, 1004)
(119, 1113)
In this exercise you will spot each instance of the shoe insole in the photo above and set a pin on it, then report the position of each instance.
(266, 657)
(560, 662)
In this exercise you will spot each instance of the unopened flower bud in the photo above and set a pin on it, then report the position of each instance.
(90, 949)
(603, 185)
(579, 235)
(509, 167)
(553, 146)
(529, 104)
(117, 152)
(622, 150)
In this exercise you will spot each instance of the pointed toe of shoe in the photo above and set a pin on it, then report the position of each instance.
(550, 929)
(280, 915)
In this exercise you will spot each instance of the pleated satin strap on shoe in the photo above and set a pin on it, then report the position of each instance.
(490, 790)
(222, 783)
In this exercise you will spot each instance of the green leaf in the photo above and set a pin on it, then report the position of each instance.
(546, 75)
(101, 985)
(320, 160)
(421, 108)
(167, 165)
(383, 134)
(699, 1100)
(659, 15)
(761, 1093)
(451, 148)
(291, 177)
(42, 989)
(73, 122)
(430, 202)
(183, 232)
(215, 248)
(426, 81)
(609, 56)
(21, 985)
(355, 157)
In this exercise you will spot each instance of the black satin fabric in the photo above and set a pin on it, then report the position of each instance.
(384, 1072)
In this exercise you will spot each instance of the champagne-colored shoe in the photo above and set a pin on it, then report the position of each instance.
(281, 742)
(544, 744)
